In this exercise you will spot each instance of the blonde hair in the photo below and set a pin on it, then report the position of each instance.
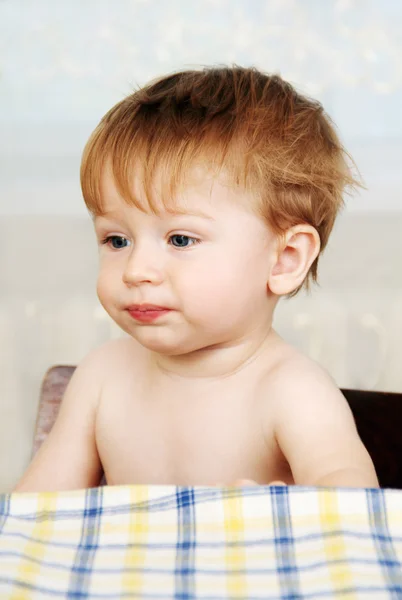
(275, 143)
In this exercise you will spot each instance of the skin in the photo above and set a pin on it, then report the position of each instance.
(209, 393)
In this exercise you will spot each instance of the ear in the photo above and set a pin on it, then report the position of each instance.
(295, 255)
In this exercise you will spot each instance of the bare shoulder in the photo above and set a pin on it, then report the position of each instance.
(313, 425)
(73, 433)
(298, 388)
(113, 354)
(118, 357)
(296, 378)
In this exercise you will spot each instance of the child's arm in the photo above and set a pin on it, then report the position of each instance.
(68, 458)
(316, 432)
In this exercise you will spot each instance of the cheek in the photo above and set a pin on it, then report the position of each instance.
(104, 286)
(234, 269)
(232, 278)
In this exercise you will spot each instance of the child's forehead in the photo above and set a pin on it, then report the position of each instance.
(201, 193)
(119, 208)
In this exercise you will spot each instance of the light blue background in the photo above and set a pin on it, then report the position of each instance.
(64, 64)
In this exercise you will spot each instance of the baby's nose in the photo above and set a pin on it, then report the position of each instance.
(143, 266)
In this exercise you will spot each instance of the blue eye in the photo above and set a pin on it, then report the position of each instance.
(182, 241)
(112, 238)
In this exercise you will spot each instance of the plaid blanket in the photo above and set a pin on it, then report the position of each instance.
(202, 542)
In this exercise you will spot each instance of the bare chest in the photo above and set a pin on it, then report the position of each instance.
(184, 436)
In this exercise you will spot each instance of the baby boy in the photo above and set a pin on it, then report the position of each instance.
(212, 193)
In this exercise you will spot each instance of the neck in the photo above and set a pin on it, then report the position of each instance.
(218, 361)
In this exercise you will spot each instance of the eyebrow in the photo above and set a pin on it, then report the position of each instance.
(174, 213)
(106, 215)
(191, 213)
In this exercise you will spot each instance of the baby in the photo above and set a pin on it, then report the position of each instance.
(212, 193)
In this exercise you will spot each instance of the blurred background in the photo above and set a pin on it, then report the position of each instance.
(64, 64)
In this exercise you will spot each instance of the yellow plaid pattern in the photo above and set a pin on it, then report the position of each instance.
(164, 542)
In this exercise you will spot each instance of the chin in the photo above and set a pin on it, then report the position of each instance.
(158, 343)
(164, 344)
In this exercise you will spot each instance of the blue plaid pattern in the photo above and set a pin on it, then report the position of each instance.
(163, 542)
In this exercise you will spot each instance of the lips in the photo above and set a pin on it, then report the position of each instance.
(147, 313)
(145, 307)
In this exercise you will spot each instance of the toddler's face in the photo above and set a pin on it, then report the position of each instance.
(208, 264)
